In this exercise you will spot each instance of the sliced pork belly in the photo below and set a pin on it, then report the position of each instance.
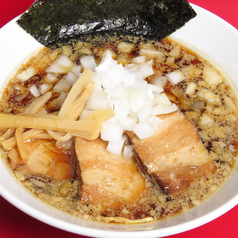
(108, 181)
(44, 160)
(175, 155)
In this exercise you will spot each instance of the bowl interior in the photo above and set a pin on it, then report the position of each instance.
(217, 41)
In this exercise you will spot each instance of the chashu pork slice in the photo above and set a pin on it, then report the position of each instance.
(44, 159)
(110, 182)
(175, 155)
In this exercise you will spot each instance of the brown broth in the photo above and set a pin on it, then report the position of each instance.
(220, 137)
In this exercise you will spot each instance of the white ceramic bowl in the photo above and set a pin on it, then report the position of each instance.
(218, 41)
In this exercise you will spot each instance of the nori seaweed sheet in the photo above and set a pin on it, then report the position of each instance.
(58, 21)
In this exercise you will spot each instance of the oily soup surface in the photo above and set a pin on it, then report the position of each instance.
(206, 99)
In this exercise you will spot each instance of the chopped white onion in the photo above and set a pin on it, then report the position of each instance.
(61, 66)
(27, 74)
(127, 151)
(159, 81)
(150, 52)
(98, 84)
(88, 62)
(190, 90)
(71, 77)
(155, 122)
(146, 68)
(50, 78)
(143, 130)
(76, 70)
(159, 110)
(44, 88)
(175, 77)
(97, 100)
(211, 76)
(163, 100)
(128, 123)
(115, 147)
(145, 112)
(20, 97)
(34, 91)
(111, 132)
(139, 59)
(122, 109)
(198, 105)
(61, 85)
(135, 102)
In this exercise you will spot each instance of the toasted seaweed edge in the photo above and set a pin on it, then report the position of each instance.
(39, 20)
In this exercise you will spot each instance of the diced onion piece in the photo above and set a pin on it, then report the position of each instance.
(206, 120)
(115, 73)
(127, 151)
(125, 47)
(128, 123)
(208, 95)
(145, 112)
(119, 91)
(143, 130)
(44, 88)
(98, 85)
(155, 88)
(155, 122)
(150, 52)
(129, 79)
(159, 81)
(88, 62)
(229, 102)
(163, 100)
(76, 70)
(61, 66)
(50, 78)
(159, 110)
(175, 52)
(175, 77)
(111, 132)
(27, 74)
(122, 109)
(211, 76)
(115, 147)
(198, 105)
(34, 91)
(96, 101)
(105, 62)
(139, 59)
(20, 97)
(137, 99)
(190, 90)
(71, 77)
(146, 68)
(61, 86)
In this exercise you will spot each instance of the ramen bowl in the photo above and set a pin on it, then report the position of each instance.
(215, 40)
